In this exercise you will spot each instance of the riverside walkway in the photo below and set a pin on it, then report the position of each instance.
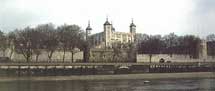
(103, 64)
(65, 65)
(68, 68)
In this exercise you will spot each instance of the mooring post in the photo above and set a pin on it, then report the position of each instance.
(45, 72)
(55, 70)
(149, 67)
(81, 70)
(19, 71)
(93, 70)
(28, 71)
(64, 67)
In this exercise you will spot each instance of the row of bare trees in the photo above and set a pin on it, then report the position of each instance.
(211, 45)
(173, 44)
(45, 37)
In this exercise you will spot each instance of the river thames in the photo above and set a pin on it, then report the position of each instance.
(110, 85)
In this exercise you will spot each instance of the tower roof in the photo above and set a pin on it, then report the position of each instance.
(88, 27)
(132, 24)
(107, 22)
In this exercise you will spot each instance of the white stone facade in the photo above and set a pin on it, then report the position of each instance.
(109, 36)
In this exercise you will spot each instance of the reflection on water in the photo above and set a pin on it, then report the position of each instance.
(111, 85)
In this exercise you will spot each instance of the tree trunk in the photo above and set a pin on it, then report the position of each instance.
(72, 56)
(64, 50)
(150, 58)
(50, 55)
(11, 53)
(28, 58)
(37, 57)
(4, 53)
(26, 55)
(171, 55)
(113, 59)
(29, 54)
(86, 54)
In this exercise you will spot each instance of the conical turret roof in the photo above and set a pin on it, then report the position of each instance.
(132, 24)
(88, 27)
(107, 22)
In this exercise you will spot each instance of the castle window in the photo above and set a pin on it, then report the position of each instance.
(118, 36)
(124, 40)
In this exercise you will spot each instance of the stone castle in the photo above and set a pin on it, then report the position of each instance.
(109, 36)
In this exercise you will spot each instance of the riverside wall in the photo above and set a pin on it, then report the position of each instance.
(174, 58)
(57, 56)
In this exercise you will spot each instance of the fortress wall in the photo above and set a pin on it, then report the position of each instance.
(57, 55)
(174, 58)
(101, 55)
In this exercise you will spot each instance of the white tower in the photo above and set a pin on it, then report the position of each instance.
(107, 33)
(132, 31)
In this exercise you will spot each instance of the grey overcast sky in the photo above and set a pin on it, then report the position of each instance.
(151, 16)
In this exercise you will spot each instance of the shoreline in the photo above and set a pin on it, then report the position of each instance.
(149, 76)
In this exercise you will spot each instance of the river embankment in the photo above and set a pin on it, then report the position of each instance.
(189, 75)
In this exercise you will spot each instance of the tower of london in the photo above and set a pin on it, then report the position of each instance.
(109, 36)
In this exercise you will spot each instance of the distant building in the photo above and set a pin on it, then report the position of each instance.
(203, 54)
(109, 36)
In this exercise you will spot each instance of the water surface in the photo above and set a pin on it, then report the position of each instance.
(111, 85)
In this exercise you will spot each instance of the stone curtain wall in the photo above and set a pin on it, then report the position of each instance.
(107, 56)
(174, 58)
(101, 55)
(57, 56)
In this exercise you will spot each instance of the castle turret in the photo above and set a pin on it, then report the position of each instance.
(132, 31)
(107, 33)
(88, 30)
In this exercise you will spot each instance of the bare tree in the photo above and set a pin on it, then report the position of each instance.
(153, 45)
(191, 45)
(49, 38)
(131, 52)
(64, 35)
(171, 43)
(11, 37)
(76, 37)
(69, 38)
(23, 43)
(3, 43)
(37, 42)
(117, 51)
(211, 45)
(211, 37)
(85, 45)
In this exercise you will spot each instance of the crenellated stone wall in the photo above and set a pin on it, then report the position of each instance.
(174, 58)
(108, 55)
(57, 56)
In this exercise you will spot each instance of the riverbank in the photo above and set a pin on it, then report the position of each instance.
(117, 77)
